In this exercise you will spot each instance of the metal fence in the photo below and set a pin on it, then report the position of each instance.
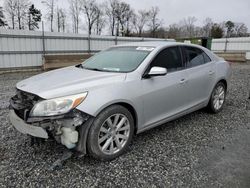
(20, 49)
(26, 48)
(241, 44)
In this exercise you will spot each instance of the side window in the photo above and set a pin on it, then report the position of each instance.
(195, 57)
(206, 57)
(169, 58)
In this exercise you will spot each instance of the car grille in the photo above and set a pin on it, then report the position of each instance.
(23, 102)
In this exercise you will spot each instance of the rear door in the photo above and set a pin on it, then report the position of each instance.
(201, 75)
(164, 96)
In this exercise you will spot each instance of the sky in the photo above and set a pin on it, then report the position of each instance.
(172, 11)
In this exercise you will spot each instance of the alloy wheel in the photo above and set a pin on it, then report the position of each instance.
(218, 97)
(114, 134)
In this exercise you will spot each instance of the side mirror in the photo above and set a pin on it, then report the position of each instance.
(157, 71)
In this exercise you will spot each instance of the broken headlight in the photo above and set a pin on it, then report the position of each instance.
(57, 106)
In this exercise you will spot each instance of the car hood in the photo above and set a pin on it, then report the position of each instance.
(68, 81)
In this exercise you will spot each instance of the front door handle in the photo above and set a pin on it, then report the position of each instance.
(182, 81)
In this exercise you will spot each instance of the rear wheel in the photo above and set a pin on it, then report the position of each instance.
(110, 133)
(217, 98)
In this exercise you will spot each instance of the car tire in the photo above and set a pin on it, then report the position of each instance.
(111, 133)
(217, 98)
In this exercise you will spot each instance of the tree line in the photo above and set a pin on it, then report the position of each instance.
(115, 16)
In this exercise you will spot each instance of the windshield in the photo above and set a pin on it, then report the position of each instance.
(118, 59)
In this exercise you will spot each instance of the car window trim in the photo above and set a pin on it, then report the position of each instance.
(146, 71)
(185, 57)
(207, 56)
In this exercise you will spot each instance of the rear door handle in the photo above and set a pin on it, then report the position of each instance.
(211, 72)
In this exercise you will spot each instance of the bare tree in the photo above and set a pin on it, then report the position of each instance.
(188, 26)
(110, 9)
(58, 19)
(208, 24)
(154, 21)
(22, 7)
(100, 21)
(129, 16)
(90, 9)
(50, 4)
(123, 14)
(140, 20)
(174, 31)
(61, 19)
(75, 12)
(198, 31)
(120, 17)
(240, 30)
(17, 12)
(10, 9)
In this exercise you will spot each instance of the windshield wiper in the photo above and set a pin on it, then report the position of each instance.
(94, 69)
(80, 66)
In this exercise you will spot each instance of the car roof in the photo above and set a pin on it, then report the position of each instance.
(161, 44)
(156, 44)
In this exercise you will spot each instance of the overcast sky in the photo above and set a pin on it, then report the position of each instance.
(172, 11)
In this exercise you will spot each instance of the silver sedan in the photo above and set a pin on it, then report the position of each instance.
(98, 106)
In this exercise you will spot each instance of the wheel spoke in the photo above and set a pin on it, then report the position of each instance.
(217, 104)
(221, 96)
(107, 143)
(118, 143)
(105, 137)
(221, 102)
(215, 101)
(122, 136)
(116, 119)
(221, 89)
(112, 146)
(124, 128)
(122, 121)
(109, 121)
(104, 130)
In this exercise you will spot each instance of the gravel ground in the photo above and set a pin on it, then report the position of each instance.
(197, 150)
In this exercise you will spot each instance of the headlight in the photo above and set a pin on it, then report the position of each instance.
(57, 106)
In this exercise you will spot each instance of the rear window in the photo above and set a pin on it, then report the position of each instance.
(195, 56)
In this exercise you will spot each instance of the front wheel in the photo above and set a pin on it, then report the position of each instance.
(217, 98)
(110, 133)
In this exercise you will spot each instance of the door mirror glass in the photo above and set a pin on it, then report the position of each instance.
(157, 71)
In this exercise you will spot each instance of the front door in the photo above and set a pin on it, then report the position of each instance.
(164, 96)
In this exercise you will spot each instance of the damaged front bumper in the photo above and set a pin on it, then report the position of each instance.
(66, 129)
(25, 128)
